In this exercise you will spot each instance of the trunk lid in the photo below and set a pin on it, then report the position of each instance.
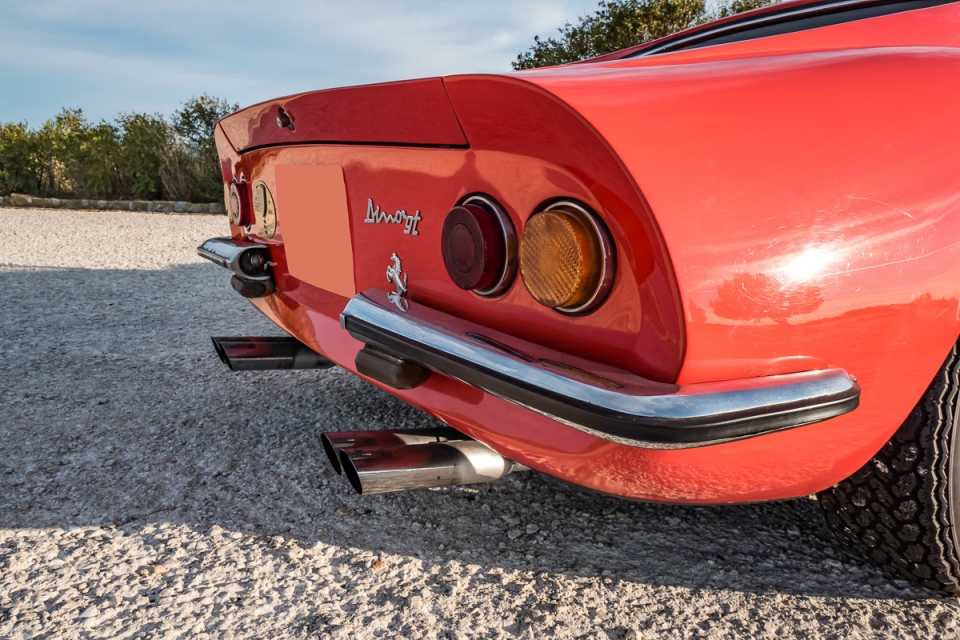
(410, 113)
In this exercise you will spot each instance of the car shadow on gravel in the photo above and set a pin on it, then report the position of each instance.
(117, 412)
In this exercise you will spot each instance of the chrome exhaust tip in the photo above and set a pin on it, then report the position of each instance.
(249, 353)
(422, 466)
(334, 441)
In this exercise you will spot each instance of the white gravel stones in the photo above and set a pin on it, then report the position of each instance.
(148, 492)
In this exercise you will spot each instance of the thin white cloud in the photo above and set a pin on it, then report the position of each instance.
(108, 56)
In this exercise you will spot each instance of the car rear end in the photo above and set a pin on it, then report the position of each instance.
(419, 234)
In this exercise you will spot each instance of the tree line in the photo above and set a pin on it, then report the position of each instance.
(618, 24)
(139, 155)
(149, 157)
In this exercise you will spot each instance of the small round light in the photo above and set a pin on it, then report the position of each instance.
(265, 209)
(238, 203)
(566, 258)
(478, 245)
(233, 205)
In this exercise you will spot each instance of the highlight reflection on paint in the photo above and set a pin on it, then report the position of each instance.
(806, 265)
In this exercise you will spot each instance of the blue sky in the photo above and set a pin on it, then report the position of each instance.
(108, 57)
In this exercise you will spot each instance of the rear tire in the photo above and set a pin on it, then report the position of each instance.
(901, 509)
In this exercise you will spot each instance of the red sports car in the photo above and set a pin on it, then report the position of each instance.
(719, 267)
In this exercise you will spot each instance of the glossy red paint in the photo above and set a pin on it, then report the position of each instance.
(416, 112)
(778, 205)
(432, 180)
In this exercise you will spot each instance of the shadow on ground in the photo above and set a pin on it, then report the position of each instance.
(116, 412)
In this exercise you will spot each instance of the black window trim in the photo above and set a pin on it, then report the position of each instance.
(790, 20)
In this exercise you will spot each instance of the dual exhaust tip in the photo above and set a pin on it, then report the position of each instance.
(376, 461)
(386, 461)
(259, 353)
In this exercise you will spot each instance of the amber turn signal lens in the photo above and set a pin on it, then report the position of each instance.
(566, 258)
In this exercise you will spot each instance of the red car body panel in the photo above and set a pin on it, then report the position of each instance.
(778, 205)
(415, 112)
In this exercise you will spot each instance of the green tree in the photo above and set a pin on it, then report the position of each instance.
(139, 155)
(22, 167)
(619, 24)
(63, 140)
(146, 141)
(194, 123)
(102, 153)
(87, 158)
(196, 119)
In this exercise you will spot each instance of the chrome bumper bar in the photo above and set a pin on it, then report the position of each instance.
(248, 260)
(608, 403)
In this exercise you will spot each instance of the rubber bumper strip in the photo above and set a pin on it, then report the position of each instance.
(632, 411)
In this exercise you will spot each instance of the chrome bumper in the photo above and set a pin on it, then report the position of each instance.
(605, 402)
(249, 262)
(236, 255)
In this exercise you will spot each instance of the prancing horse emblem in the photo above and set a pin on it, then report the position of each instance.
(397, 297)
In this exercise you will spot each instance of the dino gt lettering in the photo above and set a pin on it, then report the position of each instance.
(376, 216)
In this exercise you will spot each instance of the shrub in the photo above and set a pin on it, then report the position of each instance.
(144, 141)
(194, 125)
(22, 167)
(139, 155)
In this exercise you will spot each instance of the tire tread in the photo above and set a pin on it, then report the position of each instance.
(896, 509)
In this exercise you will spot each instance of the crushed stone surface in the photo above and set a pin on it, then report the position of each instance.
(146, 491)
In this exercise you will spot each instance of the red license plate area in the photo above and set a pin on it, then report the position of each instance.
(315, 226)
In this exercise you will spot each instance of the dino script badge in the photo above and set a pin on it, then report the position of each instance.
(409, 222)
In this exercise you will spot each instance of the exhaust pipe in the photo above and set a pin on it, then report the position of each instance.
(421, 466)
(261, 354)
(334, 441)
(249, 261)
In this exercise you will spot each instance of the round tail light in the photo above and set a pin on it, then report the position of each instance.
(566, 258)
(479, 246)
(238, 203)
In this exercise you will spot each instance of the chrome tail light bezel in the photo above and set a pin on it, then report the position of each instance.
(508, 271)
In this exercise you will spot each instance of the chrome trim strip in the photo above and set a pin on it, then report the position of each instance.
(230, 253)
(788, 14)
(510, 244)
(640, 413)
(733, 27)
(609, 257)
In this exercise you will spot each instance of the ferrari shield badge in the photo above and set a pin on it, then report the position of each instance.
(399, 295)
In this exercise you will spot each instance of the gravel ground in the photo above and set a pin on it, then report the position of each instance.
(146, 491)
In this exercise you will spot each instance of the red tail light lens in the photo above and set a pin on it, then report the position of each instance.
(478, 244)
(238, 203)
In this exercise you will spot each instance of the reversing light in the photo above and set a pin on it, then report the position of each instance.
(567, 260)
(265, 209)
(479, 246)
